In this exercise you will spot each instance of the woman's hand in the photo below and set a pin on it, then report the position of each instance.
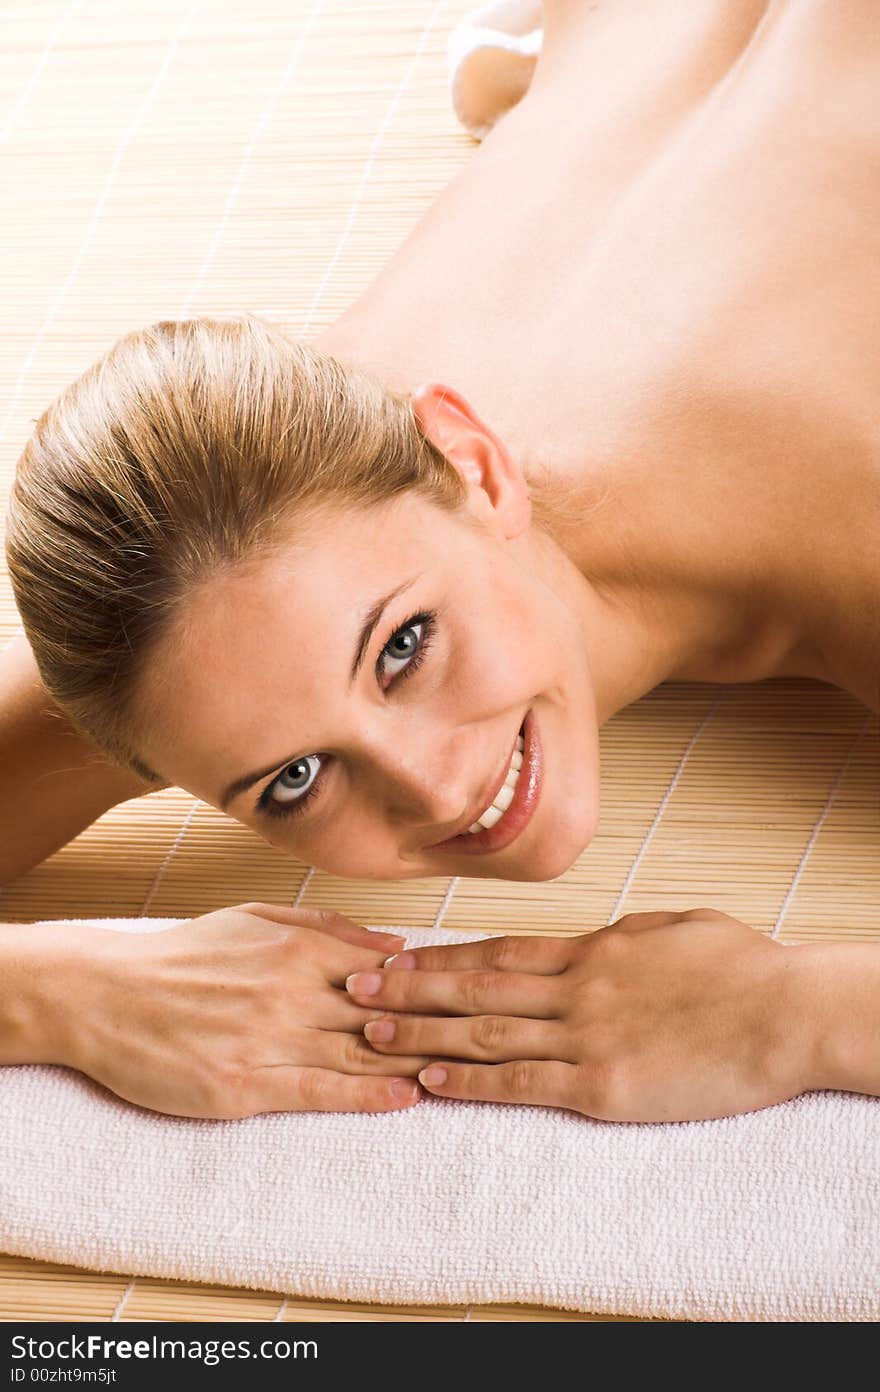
(237, 1012)
(658, 1017)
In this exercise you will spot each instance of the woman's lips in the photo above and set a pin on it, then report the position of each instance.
(518, 814)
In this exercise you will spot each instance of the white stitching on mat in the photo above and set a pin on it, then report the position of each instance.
(18, 109)
(368, 163)
(303, 887)
(197, 802)
(835, 788)
(98, 209)
(664, 802)
(447, 899)
(117, 1313)
(281, 1309)
(264, 118)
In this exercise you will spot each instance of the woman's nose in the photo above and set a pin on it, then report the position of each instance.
(422, 784)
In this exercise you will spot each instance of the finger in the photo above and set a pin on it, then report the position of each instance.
(541, 1084)
(332, 1008)
(330, 929)
(325, 921)
(333, 961)
(337, 926)
(457, 992)
(483, 1038)
(542, 956)
(334, 1011)
(285, 1088)
(352, 1053)
(634, 922)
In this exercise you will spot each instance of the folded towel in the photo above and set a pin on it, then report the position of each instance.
(774, 1215)
(492, 54)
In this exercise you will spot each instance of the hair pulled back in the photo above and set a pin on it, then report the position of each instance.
(189, 447)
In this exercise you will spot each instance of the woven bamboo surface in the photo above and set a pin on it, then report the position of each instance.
(164, 158)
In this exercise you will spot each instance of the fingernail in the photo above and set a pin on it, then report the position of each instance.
(380, 1031)
(404, 1089)
(433, 1076)
(380, 933)
(363, 983)
(401, 959)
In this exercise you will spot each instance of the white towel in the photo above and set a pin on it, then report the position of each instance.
(492, 54)
(774, 1215)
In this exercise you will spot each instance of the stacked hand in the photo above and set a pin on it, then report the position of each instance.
(658, 1017)
(241, 1011)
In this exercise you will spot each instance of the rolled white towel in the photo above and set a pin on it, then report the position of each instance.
(492, 55)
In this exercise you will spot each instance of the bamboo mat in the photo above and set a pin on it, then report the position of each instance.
(162, 159)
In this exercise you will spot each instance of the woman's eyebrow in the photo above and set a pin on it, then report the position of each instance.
(368, 628)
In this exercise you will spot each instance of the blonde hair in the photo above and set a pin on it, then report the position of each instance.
(185, 449)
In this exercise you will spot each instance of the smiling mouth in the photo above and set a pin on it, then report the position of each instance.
(516, 816)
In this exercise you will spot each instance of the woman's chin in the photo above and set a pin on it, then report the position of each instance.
(559, 854)
(544, 856)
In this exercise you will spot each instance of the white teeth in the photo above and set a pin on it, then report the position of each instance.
(504, 797)
(491, 815)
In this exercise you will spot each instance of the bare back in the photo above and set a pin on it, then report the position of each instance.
(661, 268)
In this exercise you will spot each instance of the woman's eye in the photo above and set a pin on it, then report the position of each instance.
(402, 646)
(295, 782)
(300, 781)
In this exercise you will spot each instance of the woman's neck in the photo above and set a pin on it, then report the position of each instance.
(653, 609)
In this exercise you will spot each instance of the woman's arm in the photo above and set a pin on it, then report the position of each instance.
(53, 782)
(844, 979)
(32, 992)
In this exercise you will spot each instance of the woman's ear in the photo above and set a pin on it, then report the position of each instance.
(483, 460)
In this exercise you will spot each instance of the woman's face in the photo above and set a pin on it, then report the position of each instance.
(260, 706)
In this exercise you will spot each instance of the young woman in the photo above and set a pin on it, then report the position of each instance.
(607, 418)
